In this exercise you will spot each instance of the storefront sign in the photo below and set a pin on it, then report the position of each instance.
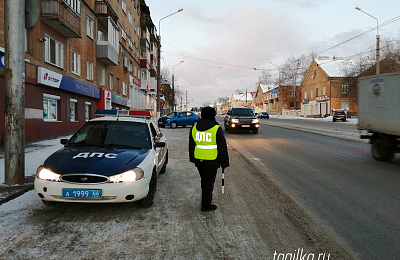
(56, 80)
(75, 86)
(49, 78)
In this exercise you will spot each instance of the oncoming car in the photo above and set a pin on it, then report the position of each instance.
(179, 118)
(113, 158)
(263, 115)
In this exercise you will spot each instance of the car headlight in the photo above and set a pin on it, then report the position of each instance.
(235, 120)
(255, 121)
(128, 176)
(47, 175)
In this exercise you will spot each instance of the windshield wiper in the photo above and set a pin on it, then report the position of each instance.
(123, 146)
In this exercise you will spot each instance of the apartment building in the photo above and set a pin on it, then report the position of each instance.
(83, 55)
(326, 87)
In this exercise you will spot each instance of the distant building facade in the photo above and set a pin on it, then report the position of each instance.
(81, 56)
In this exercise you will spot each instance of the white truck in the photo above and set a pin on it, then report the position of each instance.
(379, 114)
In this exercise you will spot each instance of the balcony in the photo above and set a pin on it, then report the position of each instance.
(103, 8)
(107, 53)
(144, 44)
(144, 64)
(61, 18)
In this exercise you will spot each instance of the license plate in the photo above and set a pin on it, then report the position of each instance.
(75, 193)
(245, 125)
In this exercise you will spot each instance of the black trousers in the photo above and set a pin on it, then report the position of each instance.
(208, 176)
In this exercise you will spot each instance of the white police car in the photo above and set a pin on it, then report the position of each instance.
(113, 158)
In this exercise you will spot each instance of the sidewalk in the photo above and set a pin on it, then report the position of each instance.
(35, 154)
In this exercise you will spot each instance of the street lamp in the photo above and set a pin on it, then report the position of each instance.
(173, 85)
(159, 63)
(377, 39)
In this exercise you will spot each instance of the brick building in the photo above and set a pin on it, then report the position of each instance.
(83, 55)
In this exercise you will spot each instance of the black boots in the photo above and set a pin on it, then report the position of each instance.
(209, 208)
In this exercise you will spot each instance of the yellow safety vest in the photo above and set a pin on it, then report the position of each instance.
(206, 143)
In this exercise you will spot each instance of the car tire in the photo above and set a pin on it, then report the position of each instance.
(149, 199)
(164, 167)
(382, 148)
(231, 131)
(173, 125)
(255, 131)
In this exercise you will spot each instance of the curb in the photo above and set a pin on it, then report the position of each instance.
(8, 193)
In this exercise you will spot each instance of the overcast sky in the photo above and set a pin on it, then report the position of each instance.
(222, 41)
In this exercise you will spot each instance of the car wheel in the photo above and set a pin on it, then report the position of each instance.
(383, 149)
(164, 167)
(149, 200)
(174, 125)
(231, 130)
(255, 131)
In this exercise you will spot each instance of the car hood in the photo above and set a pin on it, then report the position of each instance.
(95, 160)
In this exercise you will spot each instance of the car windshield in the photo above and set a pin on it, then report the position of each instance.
(116, 134)
(339, 113)
(242, 112)
(173, 114)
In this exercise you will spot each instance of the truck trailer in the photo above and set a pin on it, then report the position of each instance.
(379, 114)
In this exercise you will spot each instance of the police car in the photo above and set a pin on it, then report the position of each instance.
(113, 158)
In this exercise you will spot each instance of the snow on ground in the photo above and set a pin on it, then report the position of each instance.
(35, 154)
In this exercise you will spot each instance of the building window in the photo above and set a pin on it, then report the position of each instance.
(316, 92)
(75, 63)
(89, 70)
(312, 94)
(87, 110)
(72, 111)
(50, 107)
(324, 91)
(130, 17)
(53, 52)
(305, 94)
(292, 93)
(117, 85)
(124, 89)
(102, 76)
(75, 5)
(291, 105)
(123, 5)
(345, 89)
(111, 81)
(123, 33)
(89, 27)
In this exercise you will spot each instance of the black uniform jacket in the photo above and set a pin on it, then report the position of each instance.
(222, 158)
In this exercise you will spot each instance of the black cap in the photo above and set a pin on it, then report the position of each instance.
(208, 113)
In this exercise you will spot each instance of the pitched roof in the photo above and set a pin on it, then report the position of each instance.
(242, 96)
(335, 67)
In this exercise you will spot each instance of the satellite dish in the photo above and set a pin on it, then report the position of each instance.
(31, 13)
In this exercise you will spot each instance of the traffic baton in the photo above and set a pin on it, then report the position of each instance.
(223, 180)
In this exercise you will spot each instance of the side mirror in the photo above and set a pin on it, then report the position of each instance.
(64, 141)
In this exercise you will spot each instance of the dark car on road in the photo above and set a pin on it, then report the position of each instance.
(263, 115)
(178, 118)
(241, 118)
(339, 114)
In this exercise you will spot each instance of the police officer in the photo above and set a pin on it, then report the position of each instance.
(208, 151)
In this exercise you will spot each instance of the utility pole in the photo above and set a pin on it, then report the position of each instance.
(14, 72)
